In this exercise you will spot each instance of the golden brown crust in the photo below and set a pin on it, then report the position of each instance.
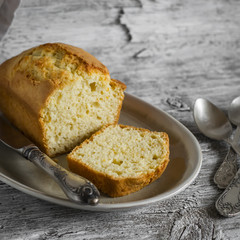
(119, 83)
(27, 85)
(34, 92)
(24, 119)
(117, 187)
(90, 61)
(123, 87)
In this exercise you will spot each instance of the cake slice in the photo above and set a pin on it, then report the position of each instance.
(58, 95)
(121, 159)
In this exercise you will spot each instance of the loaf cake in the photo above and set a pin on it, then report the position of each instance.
(121, 159)
(58, 95)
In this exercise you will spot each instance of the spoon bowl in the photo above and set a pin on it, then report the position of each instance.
(234, 111)
(234, 116)
(211, 121)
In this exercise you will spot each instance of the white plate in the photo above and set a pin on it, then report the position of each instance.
(184, 166)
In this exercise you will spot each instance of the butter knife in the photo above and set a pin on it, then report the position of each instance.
(76, 188)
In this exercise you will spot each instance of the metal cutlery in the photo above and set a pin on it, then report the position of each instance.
(213, 123)
(76, 188)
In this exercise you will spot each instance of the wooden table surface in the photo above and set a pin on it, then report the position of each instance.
(168, 53)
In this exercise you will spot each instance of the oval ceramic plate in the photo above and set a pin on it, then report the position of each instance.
(184, 166)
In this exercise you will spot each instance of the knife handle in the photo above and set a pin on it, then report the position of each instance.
(228, 204)
(74, 186)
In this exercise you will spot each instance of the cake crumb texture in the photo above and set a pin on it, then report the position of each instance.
(66, 91)
(121, 159)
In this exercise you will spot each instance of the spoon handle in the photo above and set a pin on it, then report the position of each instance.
(237, 134)
(234, 145)
(228, 204)
(227, 170)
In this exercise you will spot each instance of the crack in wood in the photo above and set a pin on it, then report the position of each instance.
(124, 26)
(180, 236)
(136, 55)
(161, 50)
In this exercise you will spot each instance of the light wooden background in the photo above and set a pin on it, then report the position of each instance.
(168, 53)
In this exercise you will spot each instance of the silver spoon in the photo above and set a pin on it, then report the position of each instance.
(228, 204)
(213, 123)
(228, 168)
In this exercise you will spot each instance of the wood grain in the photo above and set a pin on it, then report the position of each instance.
(168, 53)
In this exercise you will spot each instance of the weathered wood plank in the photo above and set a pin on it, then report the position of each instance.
(168, 53)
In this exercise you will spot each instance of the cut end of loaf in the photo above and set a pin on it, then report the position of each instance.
(78, 110)
(83, 97)
(121, 159)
